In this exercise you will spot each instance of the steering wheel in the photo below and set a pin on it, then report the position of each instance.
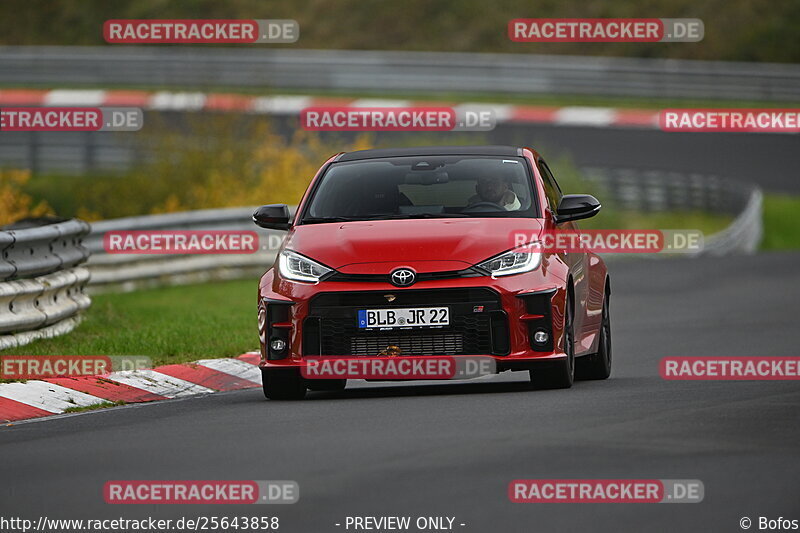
(483, 207)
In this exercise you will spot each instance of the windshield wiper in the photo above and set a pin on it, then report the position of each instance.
(321, 220)
(417, 215)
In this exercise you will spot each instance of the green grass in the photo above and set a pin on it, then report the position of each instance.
(781, 222)
(93, 407)
(611, 219)
(170, 325)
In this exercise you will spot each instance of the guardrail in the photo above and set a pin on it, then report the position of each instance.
(41, 284)
(656, 190)
(353, 70)
(132, 271)
(632, 189)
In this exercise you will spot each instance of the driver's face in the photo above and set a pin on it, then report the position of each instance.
(491, 189)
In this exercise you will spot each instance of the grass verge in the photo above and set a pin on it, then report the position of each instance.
(93, 407)
(170, 325)
(781, 222)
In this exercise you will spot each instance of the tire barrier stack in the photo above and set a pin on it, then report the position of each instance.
(42, 286)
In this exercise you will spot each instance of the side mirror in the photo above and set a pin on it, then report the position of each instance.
(576, 207)
(273, 216)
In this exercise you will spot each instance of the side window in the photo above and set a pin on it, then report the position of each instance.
(551, 188)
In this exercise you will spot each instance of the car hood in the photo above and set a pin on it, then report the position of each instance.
(427, 245)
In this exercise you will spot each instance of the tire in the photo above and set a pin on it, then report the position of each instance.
(561, 374)
(283, 384)
(326, 385)
(598, 365)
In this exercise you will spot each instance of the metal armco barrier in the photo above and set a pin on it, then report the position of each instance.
(353, 70)
(33, 251)
(653, 190)
(131, 271)
(41, 286)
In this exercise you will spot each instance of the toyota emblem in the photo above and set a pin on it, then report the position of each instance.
(403, 277)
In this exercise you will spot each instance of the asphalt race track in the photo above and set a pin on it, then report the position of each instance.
(768, 160)
(451, 450)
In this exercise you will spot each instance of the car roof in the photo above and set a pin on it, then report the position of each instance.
(508, 151)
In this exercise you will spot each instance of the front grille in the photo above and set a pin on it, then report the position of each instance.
(331, 327)
(422, 276)
(449, 343)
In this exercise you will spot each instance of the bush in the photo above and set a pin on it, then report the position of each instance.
(15, 204)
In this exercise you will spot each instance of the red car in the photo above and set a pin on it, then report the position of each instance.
(433, 231)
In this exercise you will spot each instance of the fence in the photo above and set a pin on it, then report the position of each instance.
(41, 284)
(132, 271)
(673, 191)
(351, 70)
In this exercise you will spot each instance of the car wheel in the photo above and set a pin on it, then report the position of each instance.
(561, 374)
(598, 365)
(326, 385)
(283, 384)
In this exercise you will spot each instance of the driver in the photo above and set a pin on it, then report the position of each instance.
(495, 190)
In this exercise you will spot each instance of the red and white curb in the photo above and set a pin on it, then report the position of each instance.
(601, 117)
(46, 397)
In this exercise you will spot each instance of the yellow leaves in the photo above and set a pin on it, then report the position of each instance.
(206, 161)
(15, 204)
(238, 166)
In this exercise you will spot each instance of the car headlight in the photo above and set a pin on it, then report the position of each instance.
(516, 261)
(300, 268)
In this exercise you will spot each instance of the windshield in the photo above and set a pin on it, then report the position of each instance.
(423, 187)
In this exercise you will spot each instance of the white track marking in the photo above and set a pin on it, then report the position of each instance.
(380, 102)
(47, 396)
(71, 97)
(158, 383)
(179, 101)
(585, 116)
(234, 367)
(281, 105)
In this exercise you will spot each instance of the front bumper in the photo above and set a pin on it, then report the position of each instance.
(488, 317)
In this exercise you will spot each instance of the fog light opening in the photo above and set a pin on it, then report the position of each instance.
(541, 336)
(277, 345)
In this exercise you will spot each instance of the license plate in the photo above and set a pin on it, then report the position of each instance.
(409, 317)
